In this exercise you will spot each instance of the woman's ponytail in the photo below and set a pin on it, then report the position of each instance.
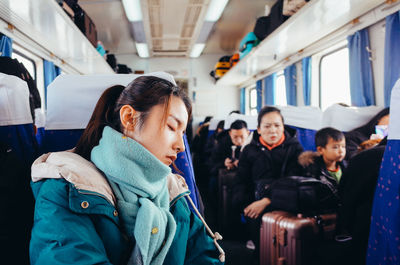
(103, 115)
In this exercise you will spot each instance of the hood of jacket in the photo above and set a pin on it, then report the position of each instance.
(84, 175)
(308, 158)
(73, 168)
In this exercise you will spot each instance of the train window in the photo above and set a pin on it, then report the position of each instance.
(26, 61)
(280, 89)
(32, 63)
(253, 101)
(334, 78)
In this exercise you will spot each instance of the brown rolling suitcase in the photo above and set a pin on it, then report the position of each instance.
(287, 239)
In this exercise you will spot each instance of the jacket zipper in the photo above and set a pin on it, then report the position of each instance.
(85, 192)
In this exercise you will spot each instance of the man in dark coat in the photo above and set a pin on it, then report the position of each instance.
(227, 153)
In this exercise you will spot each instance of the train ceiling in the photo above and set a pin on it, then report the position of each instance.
(172, 27)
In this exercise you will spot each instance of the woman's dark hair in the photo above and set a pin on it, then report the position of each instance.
(220, 125)
(265, 110)
(142, 94)
(369, 128)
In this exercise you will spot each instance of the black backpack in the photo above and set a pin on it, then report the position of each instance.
(16, 206)
(267, 24)
(304, 195)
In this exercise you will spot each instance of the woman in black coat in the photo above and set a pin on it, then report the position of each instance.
(355, 137)
(272, 154)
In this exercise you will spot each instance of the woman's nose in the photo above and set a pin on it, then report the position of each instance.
(180, 145)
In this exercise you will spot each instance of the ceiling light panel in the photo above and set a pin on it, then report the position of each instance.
(133, 10)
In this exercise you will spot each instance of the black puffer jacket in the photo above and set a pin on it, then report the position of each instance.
(259, 167)
(355, 137)
(314, 167)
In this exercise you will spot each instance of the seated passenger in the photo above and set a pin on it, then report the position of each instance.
(368, 131)
(272, 154)
(357, 190)
(113, 200)
(227, 152)
(212, 141)
(327, 162)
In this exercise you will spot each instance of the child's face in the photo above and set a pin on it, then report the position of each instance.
(333, 150)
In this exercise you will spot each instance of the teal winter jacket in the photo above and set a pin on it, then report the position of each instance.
(76, 221)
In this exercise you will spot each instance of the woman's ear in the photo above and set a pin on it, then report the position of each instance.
(127, 117)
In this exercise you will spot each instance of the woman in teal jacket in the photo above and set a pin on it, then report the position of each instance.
(114, 200)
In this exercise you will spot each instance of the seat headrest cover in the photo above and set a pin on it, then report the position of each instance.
(71, 99)
(348, 118)
(250, 120)
(302, 117)
(14, 101)
(214, 123)
(394, 123)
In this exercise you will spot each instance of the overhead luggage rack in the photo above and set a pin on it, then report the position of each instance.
(44, 25)
(316, 20)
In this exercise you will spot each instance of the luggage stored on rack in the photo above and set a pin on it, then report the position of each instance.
(247, 44)
(290, 7)
(293, 240)
(234, 59)
(221, 67)
(267, 24)
(83, 22)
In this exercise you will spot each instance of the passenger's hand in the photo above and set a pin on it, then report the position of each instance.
(375, 136)
(236, 163)
(228, 163)
(256, 208)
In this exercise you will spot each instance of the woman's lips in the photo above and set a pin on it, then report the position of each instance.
(172, 158)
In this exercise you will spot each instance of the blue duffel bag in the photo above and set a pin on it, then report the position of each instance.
(247, 44)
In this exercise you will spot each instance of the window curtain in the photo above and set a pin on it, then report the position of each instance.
(50, 73)
(243, 100)
(306, 69)
(269, 89)
(392, 54)
(259, 94)
(5, 45)
(291, 84)
(361, 78)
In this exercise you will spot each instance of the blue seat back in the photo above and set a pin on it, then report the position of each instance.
(184, 164)
(68, 115)
(16, 123)
(384, 237)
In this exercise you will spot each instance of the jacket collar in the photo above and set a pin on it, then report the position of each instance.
(73, 168)
(177, 188)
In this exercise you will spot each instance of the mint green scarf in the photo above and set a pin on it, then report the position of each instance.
(138, 180)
